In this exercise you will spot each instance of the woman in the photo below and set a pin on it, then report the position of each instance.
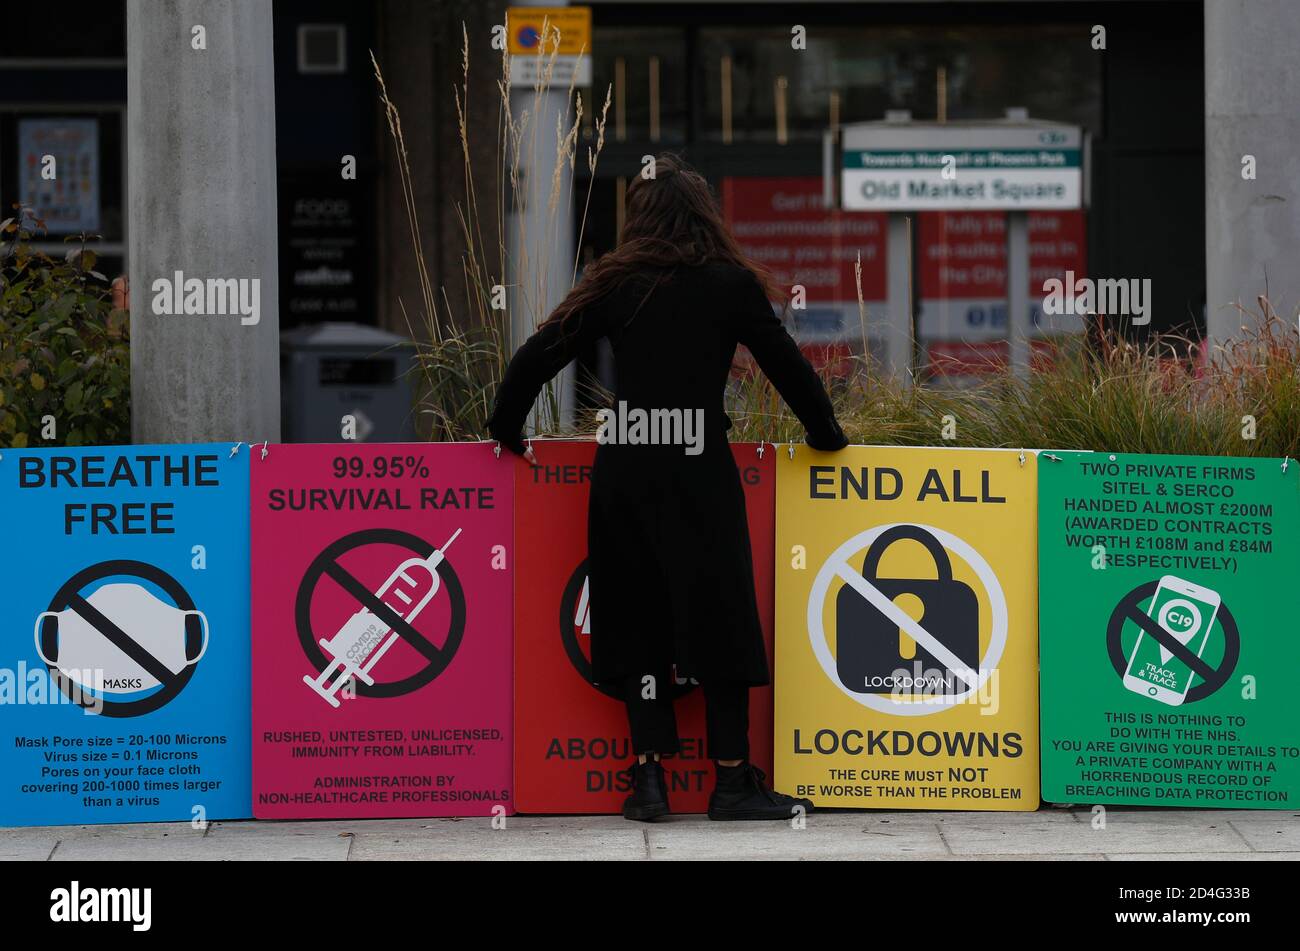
(671, 576)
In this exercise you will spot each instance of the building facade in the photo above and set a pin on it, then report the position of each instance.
(747, 92)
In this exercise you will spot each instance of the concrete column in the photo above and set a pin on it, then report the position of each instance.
(900, 319)
(543, 259)
(1018, 325)
(202, 197)
(1252, 228)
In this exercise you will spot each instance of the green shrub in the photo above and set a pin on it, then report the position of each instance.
(1116, 396)
(1164, 396)
(63, 346)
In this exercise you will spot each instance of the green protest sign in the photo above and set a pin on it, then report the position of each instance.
(1169, 591)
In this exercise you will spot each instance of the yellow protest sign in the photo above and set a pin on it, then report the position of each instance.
(907, 628)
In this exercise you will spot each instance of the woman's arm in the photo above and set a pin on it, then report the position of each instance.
(542, 356)
(779, 357)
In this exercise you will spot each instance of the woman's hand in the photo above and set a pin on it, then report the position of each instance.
(518, 447)
(829, 438)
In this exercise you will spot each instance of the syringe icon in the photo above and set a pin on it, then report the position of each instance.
(364, 638)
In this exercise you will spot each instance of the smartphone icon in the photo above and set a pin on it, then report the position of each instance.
(1186, 611)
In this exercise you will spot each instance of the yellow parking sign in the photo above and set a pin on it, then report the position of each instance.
(536, 53)
(526, 25)
(907, 628)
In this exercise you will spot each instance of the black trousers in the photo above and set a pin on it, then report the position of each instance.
(653, 723)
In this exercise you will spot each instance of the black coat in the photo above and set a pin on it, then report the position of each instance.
(670, 569)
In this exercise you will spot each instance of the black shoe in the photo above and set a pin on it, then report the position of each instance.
(649, 798)
(742, 793)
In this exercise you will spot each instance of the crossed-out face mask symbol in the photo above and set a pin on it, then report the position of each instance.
(121, 650)
(164, 633)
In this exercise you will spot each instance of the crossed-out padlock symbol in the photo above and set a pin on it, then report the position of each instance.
(870, 649)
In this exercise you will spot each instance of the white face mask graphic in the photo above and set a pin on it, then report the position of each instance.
(91, 659)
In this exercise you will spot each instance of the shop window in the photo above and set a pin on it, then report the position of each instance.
(67, 164)
(32, 32)
(753, 87)
(644, 69)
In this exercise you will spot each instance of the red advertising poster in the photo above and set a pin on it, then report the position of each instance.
(1058, 242)
(963, 283)
(381, 584)
(783, 224)
(571, 740)
(963, 277)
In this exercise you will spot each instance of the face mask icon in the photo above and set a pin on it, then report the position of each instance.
(121, 639)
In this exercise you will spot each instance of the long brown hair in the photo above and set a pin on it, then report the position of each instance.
(672, 221)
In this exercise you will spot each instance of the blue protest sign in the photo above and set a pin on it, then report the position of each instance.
(124, 659)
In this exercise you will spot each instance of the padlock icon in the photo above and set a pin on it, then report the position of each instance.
(869, 654)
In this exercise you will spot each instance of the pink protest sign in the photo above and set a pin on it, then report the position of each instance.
(381, 599)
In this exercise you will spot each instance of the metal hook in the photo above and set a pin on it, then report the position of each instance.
(1022, 458)
(496, 450)
(1285, 461)
(234, 449)
(265, 452)
(1052, 457)
(791, 450)
(760, 450)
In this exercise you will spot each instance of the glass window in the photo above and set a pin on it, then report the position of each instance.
(645, 71)
(756, 88)
(73, 29)
(84, 149)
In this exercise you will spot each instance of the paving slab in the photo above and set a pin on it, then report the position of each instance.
(824, 836)
(994, 857)
(1278, 832)
(203, 848)
(1032, 833)
(556, 839)
(1055, 834)
(315, 827)
(1209, 817)
(132, 830)
(1201, 856)
(35, 847)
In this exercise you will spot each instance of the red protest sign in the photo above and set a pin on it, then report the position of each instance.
(571, 739)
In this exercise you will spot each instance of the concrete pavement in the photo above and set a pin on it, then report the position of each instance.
(1074, 834)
